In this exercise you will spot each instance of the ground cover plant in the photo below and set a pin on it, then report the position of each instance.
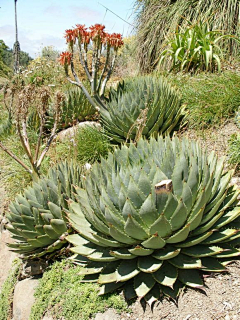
(6, 294)
(61, 294)
(151, 216)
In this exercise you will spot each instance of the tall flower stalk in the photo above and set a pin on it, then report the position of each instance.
(101, 43)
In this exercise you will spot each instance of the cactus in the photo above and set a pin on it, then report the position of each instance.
(151, 216)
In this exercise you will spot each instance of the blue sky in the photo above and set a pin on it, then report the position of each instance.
(43, 22)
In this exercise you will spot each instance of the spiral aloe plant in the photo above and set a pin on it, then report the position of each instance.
(37, 219)
(152, 216)
(144, 106)
(76, 108)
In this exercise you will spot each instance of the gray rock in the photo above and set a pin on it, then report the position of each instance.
(70, 133)
(23, 299)
(107, 315)
(6, 256)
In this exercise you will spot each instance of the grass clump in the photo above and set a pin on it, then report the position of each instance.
(91, 145)
(234, 151)
(6, 295)
(62, 295)
(210, 98)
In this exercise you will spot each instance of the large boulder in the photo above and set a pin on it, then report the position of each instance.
(24, 299)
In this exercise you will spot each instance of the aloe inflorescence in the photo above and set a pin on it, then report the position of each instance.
(151, 216)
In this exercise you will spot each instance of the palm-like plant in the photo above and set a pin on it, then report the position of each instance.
(151, 216)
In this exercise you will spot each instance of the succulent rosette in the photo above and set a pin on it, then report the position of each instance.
(151, 216)
(37, 219)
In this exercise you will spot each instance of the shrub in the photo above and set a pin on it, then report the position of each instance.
(92, 144)
(194, 49)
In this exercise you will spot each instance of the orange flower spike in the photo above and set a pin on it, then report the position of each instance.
(65, 58)
(80, 30)
(70, 37)
(97, 31)
(116, 40)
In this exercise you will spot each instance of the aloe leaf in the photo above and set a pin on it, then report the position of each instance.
(190, 278)
(161, 226)
(143, 283)
(140, 251)
(120, 236)
(154, 242)
(179, 236)
(183, 261)
(134, 229)
(109, 287)
(212, 265)
(166, 275)
(122, 253)
(200, 251)
(149, 265)
(166, 253)
(129, 292)
(109, 273)
(219, 236)
(127, 271)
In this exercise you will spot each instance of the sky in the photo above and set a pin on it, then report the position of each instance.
(43, 22)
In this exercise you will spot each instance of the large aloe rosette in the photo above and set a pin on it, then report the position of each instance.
(145, 104)
(152, 215)
(37, 219)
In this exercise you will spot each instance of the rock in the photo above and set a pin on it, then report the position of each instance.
(23, 299)
(6, 256)
(70, 133)
(108, 315)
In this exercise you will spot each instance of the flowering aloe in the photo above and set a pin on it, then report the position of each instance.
(101, 41)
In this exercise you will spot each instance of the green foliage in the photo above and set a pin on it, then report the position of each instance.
(38, 217)
(92, 144)
(210, 98)
(61, 293)
(6, 295)
(42, 71)
(157, 20)
(234, 151)
(237, 118)
(152, 215)
(49, 53)
(194, 49)
(142, 106)
(75, 108)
